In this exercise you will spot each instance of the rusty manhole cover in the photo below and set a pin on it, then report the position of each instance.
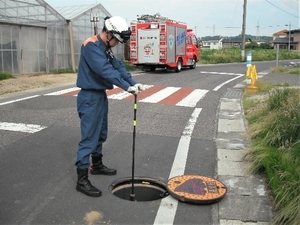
(196, 189)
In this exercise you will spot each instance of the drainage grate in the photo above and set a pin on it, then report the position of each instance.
(233, 94)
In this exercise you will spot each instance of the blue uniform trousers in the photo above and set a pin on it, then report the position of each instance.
(92, 108)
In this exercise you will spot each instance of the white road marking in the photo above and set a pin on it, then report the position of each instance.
(192, 99)
(223, 73)
(221, 85)
(64, 91)
(18, 100)
(168, 206)
(120, 95)
(160, 95)
(21, 127)
(138, 74)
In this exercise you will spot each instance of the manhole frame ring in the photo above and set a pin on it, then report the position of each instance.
(150, 182)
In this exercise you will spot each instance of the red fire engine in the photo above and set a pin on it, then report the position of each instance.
(158, 42)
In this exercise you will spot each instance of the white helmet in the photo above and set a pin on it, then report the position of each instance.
(118, 27)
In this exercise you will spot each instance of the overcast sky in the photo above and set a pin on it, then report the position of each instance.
(208, 17)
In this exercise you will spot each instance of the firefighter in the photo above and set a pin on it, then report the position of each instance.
(98, 71)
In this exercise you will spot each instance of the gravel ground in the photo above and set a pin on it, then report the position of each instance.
(26, 82)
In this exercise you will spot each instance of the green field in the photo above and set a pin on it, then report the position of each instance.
(233, 55)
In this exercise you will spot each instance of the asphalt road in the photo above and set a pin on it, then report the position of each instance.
(37, 164)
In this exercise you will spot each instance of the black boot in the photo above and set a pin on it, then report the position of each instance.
(98, 167)
(84, 185)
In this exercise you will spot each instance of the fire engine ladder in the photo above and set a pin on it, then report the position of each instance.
(153, 18)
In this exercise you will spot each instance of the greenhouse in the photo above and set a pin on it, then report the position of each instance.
(38, 38)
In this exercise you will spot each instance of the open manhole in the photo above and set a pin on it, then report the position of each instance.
(145, 189)
(192, 189)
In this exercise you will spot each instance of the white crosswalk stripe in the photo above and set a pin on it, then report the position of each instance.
(121, 95)
(161, 94)
(193, 98)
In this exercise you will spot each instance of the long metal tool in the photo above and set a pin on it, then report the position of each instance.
(132, 195)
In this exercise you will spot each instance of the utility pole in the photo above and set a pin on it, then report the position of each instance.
(289, 46)
(95, 19)
(289, 36)
(243, 32)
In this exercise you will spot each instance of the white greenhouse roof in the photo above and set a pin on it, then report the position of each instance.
(32, 12)
(72, 12)
(40, 13)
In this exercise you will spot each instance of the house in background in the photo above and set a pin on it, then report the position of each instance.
(280, 34)
(214, 42)
(285, 39)
(231, 42)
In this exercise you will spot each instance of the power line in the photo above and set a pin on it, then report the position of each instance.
(214, 26)
(281, 9)
(291, 4)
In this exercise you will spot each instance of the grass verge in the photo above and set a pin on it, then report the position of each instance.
(4, 76)
(289, 70)
(273, 117)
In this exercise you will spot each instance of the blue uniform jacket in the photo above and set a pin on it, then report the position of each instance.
(99, 69)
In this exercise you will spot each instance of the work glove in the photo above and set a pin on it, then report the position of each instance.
(140, 87)
(133, 90)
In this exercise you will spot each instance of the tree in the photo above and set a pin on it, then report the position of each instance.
(252, 45)
(265, 46)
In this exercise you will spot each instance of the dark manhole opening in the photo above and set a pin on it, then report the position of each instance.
(145, 189)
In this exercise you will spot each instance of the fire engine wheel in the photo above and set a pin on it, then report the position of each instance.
(179, 66)
(193, 66)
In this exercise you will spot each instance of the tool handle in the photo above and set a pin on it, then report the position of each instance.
(132, 195)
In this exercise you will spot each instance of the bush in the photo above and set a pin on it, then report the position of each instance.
(252, 45)
(4, 76)
(265, 46)
(294, 70)
(129, 67)
(67, 70)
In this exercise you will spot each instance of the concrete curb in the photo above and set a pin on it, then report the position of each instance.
(247, 200)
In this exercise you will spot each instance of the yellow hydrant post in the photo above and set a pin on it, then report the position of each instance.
(252, 74)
